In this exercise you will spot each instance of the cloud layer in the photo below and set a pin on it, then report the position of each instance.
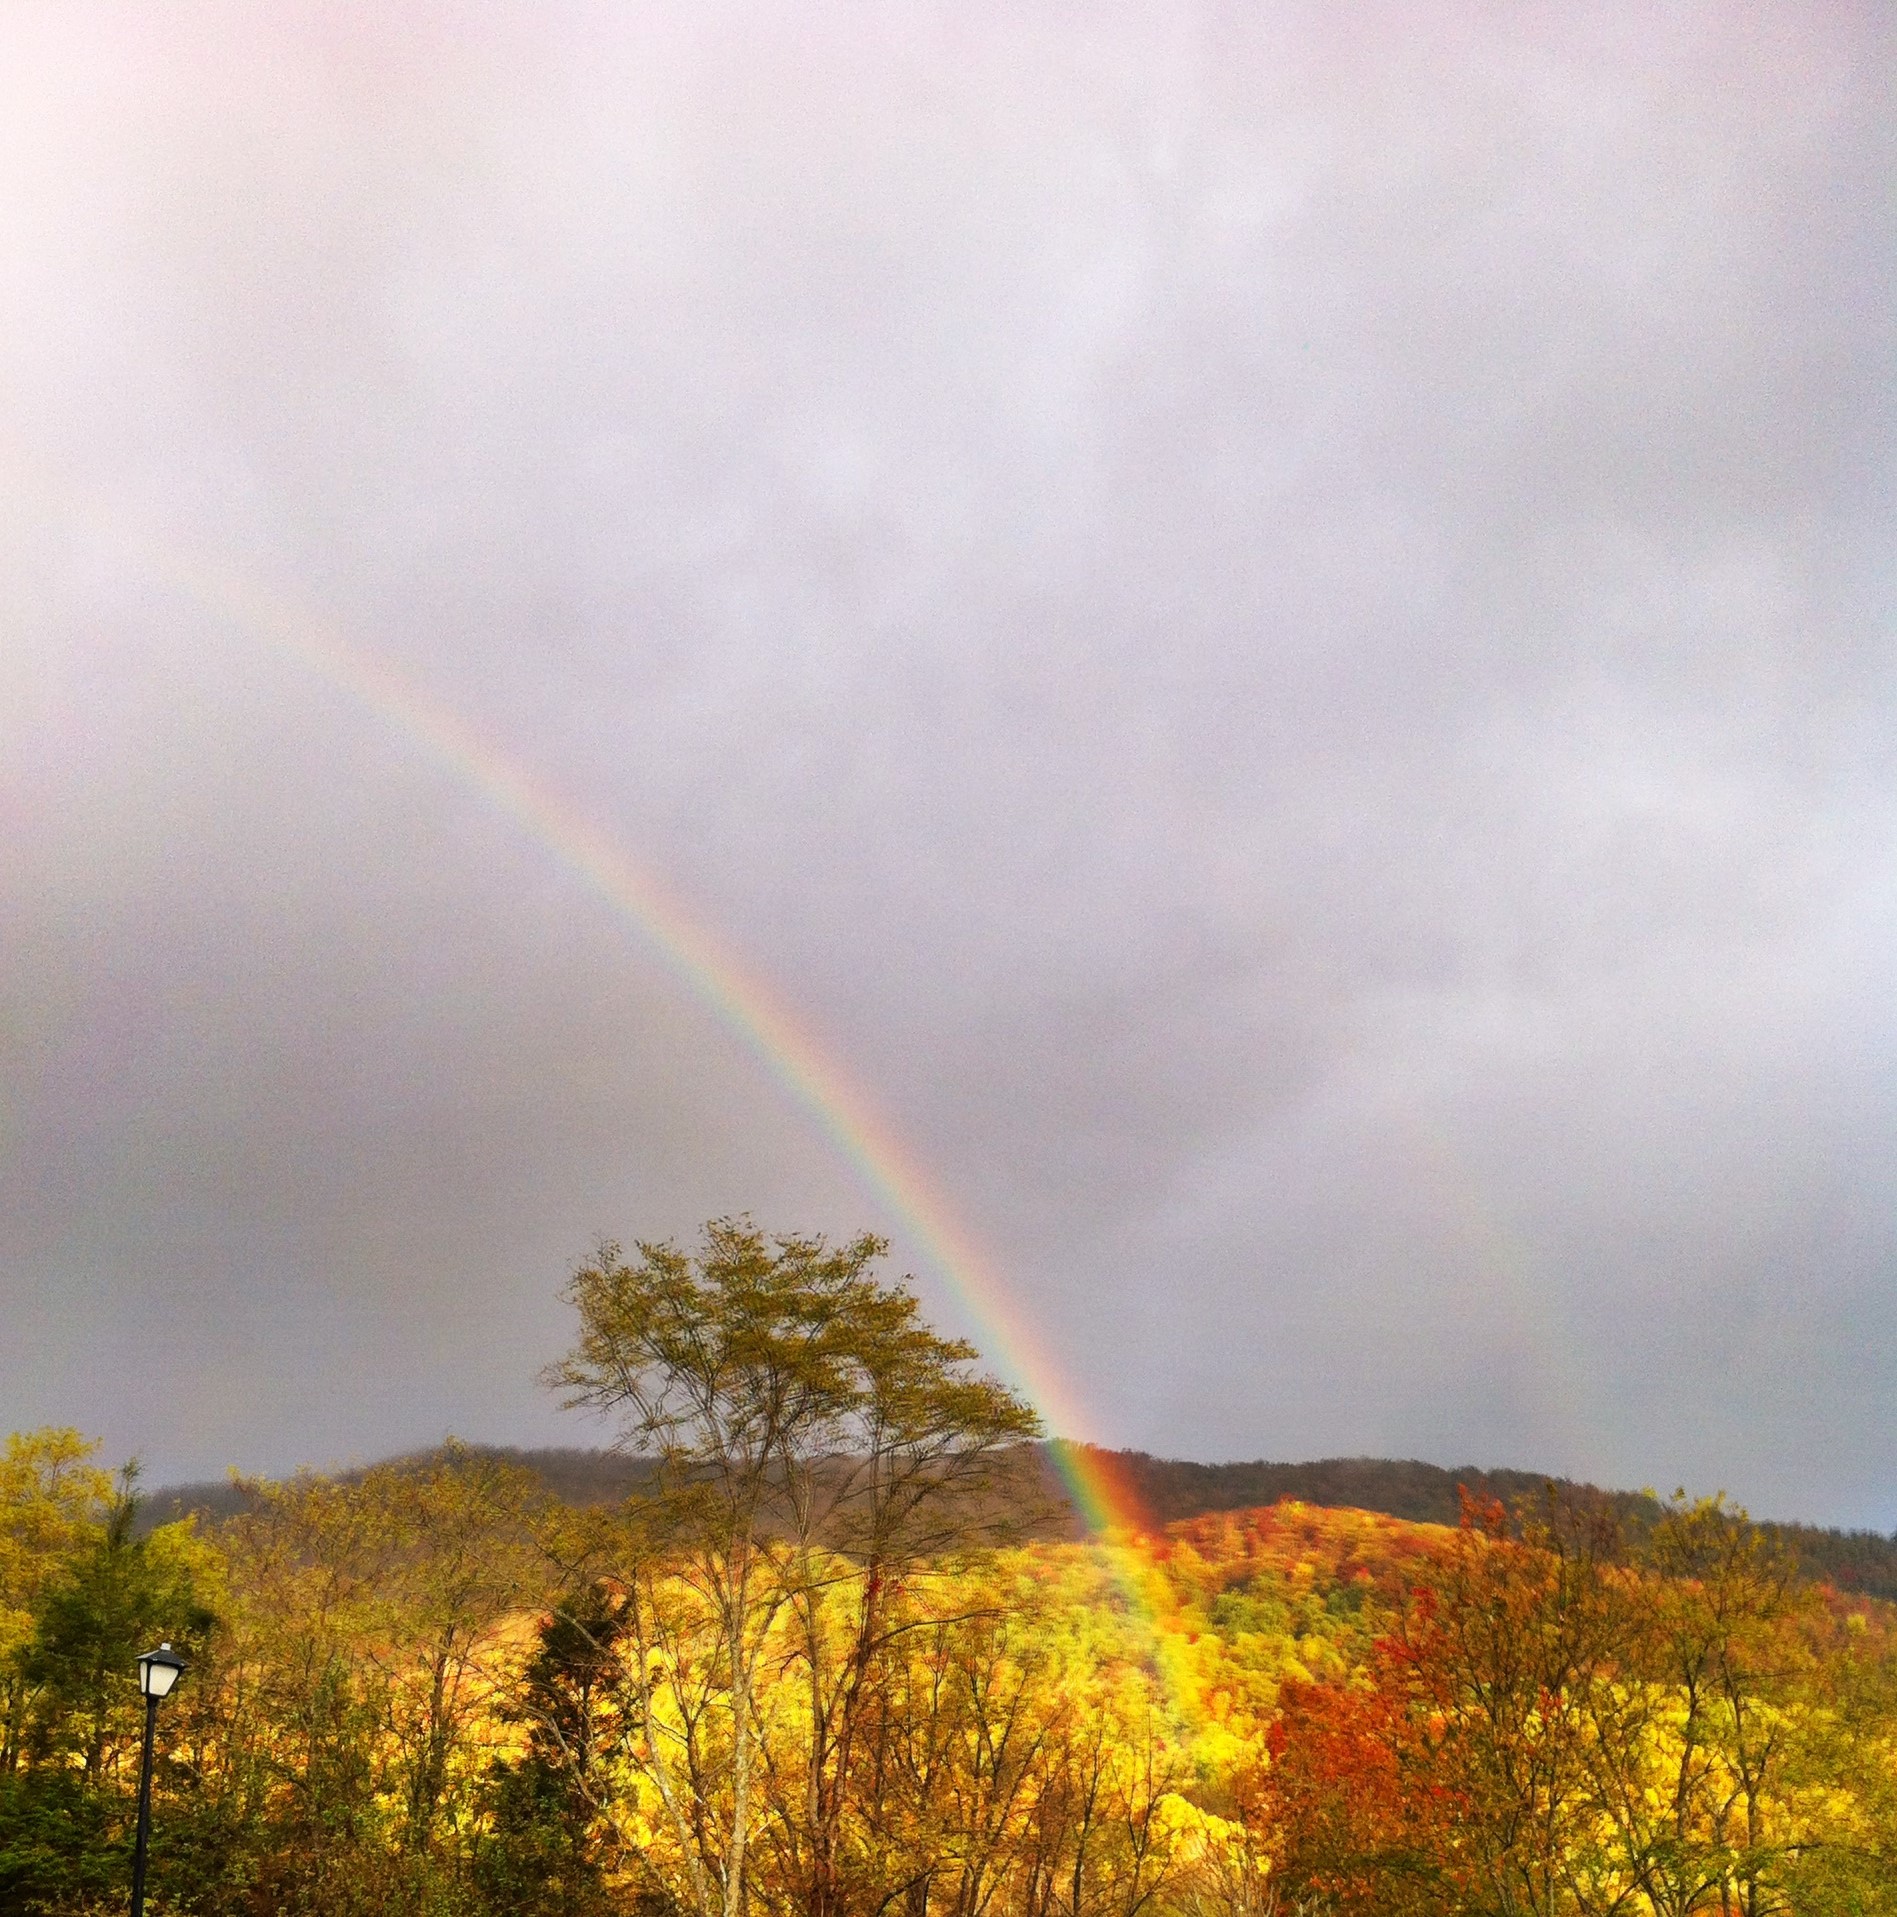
(1278, 630)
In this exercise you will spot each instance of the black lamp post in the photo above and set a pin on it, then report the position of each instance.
(158, 1671)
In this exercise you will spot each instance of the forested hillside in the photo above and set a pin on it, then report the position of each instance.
(1169, 1489)
(434, 1690)
(829, 1650)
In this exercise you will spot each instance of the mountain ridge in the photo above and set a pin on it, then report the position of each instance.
(1170, 1491)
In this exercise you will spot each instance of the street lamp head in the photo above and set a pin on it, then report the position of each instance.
(159, 1670)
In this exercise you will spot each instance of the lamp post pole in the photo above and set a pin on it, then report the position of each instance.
(143, 1842)
(158, 1671)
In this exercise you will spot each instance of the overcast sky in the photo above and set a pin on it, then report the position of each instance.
(1274, 622)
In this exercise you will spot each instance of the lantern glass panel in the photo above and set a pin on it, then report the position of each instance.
(158, 1671)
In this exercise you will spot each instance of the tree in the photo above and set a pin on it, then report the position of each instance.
(1849, 1740)
(1458, 1771)
(1706, 1799)
(369, 1641)
(1355, 1808)
(63, 1814)
(1563, 1725)
(545, 1857)
(815, 1440)
(53, 1505)
(117, 1593)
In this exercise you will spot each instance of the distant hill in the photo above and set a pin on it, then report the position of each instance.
(1172, 1489)
(572, 1475)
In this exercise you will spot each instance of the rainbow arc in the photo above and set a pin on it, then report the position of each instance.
(738, 997)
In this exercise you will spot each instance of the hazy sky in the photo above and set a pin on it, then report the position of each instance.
(1273, 622)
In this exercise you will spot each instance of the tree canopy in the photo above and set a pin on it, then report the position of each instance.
(814, 1664)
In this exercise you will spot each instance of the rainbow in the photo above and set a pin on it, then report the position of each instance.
(742, 1001)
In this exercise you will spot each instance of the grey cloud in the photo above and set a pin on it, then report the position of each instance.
(1276, 627)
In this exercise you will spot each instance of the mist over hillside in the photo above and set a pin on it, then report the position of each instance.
(1169, 1491)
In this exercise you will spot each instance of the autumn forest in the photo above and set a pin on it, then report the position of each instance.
(840, 1653)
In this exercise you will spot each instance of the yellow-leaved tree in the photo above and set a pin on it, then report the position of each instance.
(814, 1445)
(53, 1501)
